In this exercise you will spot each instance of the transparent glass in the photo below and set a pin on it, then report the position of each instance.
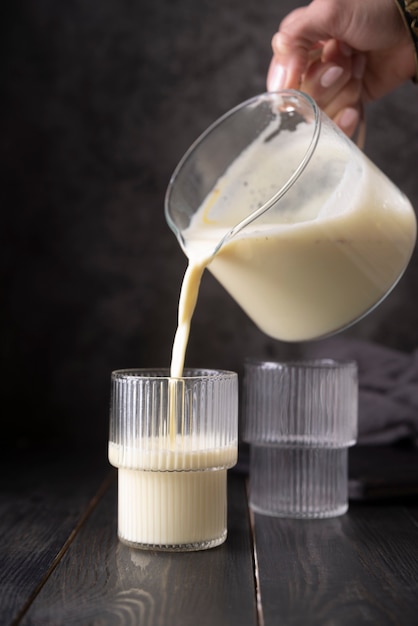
(303, 231)
(305, 482)
(173, 440)
(300, 418)
(301, 402)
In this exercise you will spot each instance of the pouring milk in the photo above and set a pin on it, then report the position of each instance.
(321, 256)
(304, 232)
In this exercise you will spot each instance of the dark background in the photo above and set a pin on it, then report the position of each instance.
(99, 100)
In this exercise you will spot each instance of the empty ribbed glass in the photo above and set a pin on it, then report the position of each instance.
(300, 418)
(172, 440)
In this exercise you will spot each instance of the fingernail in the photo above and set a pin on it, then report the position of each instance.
(348, 118)
(277, 78)
(331, 76)
(359, 66)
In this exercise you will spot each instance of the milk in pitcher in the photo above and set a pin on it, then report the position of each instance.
(322, 256)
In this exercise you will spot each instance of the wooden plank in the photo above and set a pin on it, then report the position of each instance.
(43, 496)
(101, 581)
(361, 568)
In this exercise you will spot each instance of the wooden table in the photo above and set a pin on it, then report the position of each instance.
(61, 562)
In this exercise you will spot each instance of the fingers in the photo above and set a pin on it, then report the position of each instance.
(327, 76)
(306, 55)
(343, 94)
(335, 81)
(349, 120)
(287, 67)
(299, 34)
(333, 77)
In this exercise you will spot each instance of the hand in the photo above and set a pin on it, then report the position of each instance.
(343, 53)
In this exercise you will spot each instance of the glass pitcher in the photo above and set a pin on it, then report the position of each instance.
(297, 224)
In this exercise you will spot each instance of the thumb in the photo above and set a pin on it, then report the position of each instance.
(300, 34)
(288, 65)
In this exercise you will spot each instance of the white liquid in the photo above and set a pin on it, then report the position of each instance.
(187, 303)
(174, 497)
(334, 247)
(331, 251)
(172, 493)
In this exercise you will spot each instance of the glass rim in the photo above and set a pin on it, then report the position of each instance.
(163, 374)
(326, 363)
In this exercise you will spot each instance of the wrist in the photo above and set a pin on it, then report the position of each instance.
(409, 12)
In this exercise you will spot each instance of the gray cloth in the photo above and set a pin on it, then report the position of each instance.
(388, 388)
